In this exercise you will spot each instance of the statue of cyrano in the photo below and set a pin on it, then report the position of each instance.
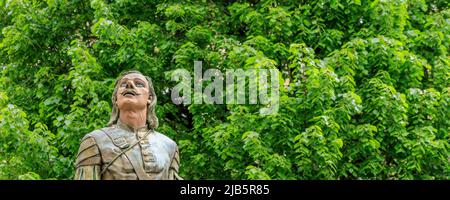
(129, 148)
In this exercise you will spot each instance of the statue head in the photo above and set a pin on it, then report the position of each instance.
(133, 90)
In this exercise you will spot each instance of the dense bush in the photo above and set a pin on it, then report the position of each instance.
(365, 84)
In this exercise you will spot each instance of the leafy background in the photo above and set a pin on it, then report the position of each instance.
(365, 92)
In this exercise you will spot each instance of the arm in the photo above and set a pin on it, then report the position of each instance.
(88, 161)
(174, 165)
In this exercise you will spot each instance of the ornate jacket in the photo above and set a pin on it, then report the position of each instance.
(123, 153)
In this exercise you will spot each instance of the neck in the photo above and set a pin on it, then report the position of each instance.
(133, 118)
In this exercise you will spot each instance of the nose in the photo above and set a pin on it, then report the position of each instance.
(130, 84)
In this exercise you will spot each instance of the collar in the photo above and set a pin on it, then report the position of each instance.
(130, 128)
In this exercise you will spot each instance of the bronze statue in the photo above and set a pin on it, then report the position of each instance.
(129, 148)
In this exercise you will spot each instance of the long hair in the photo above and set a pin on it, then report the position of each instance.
(152, 120)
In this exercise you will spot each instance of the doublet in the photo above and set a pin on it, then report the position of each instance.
(123, 153)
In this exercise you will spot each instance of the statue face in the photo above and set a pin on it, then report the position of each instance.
(133, 92)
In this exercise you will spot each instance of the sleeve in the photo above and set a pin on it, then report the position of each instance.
(174, 166)
(88, 161)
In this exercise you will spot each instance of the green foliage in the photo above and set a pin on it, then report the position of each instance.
(365, 88)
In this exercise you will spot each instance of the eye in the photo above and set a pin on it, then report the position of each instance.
(140, 84)
(123, 84)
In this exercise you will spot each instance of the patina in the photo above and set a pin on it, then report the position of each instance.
(129, 148)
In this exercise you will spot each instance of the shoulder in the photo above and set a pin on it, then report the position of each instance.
(89, 153)
(166, 140)
(91, 141)
(95, 134)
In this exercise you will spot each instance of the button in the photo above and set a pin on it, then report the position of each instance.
(148, 159)
(141, 134)
(146, 153)
(142, 142)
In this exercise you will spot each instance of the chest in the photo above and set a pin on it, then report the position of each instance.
(124, 152)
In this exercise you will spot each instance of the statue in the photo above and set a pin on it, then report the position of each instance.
(129, 148)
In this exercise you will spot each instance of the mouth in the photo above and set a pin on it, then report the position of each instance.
(129, 93)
